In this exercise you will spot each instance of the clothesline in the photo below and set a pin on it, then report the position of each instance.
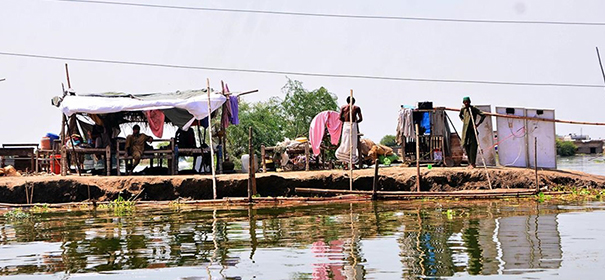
(518, 117)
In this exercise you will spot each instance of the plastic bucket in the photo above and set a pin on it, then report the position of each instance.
(55, 165)
(45, 143)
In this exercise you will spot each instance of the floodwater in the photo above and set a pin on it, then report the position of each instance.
(508, 239)
(592, 164)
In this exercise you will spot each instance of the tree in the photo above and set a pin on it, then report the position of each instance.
(300, 107)
(566, 148)
(276, 119)
(267, 126)
(389, 140)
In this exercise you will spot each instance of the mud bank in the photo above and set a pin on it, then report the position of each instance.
(57, 189)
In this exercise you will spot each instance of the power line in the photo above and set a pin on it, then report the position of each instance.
(260, 71)
(335, 15)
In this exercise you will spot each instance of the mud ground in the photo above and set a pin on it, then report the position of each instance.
(56, 189)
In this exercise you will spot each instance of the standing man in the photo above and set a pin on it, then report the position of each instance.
(469, 136)
(135, 145)
(344, 150)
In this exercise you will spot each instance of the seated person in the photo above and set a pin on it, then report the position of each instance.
(135, 145)
(102, 139)
(185, 138)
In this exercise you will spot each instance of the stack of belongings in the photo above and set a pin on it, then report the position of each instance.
(9, 171)
(372, 152)
(290, 162)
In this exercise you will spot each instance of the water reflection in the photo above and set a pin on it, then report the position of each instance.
(341, 241)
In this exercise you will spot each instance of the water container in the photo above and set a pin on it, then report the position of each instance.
(245, 163)
(55, 165)
(45, 143)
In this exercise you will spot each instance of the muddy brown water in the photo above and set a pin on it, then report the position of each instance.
(385, 240)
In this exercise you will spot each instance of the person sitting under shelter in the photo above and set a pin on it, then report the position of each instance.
(135, 145)
(349, 133)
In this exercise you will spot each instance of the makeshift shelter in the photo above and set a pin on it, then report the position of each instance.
(436, 143)
(181, 109)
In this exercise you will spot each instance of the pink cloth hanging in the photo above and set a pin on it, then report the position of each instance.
(329, 119)
(155, 118)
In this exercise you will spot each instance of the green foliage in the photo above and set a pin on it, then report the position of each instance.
(300, 106)
(39, 208)
(566, 148)
(276, 119)
(16, 215)
(267, 127)
(389, 140)
(541, 197)
(120, 206)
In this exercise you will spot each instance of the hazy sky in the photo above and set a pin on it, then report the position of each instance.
(394, 48)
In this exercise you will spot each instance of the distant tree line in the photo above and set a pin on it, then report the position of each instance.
(566, 148)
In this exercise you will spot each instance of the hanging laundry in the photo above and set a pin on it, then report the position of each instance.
(234, 103)
(155, 118)
(425, 123)
(405, 125)
(329, 119)
(226, 115)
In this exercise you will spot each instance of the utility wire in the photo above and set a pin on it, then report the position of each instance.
(335, 15)
(260, 71)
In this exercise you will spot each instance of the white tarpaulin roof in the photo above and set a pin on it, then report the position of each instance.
(193, 101)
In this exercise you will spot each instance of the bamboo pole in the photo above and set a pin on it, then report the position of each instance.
(351, 141)
(417, 158)
(262, 158)
(536, 163)
(375, 183)
(62, 137)
(307, 156)
(251, 169)
(416, 194)
(67, 123)
(211, 145)
(489, 181)
(527, 118)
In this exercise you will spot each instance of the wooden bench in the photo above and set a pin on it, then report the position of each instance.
(105, 152)
(161, 154)
(20, 153)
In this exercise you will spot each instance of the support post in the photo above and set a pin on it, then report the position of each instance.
(536, 163)
(307, 156)
(118, 172)
(351, 141)
(375, 184)
(63, 153)
(262, 158)
(417, 158)
(108, 159)
(251, 167)
(211, 145)
(37, 161)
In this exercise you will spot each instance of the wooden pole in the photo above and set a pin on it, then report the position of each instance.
(601, 64)
(62, 137)
(536, 163)
(211, 145)
(67, 73)
(417, 158)
(307, 156)
(262, 158)
(375, 184)
(351, 141)
(251, 167)
(489, 181)
(527, 118)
